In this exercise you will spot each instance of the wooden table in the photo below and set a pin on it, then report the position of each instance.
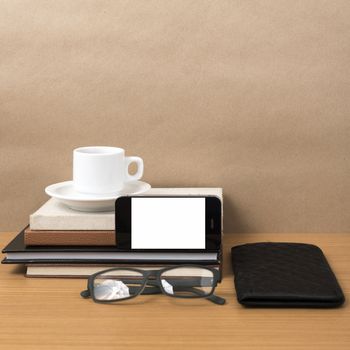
(49, 313)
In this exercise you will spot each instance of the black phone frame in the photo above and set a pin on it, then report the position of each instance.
(213, 224)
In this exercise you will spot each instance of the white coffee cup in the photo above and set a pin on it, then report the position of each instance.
(100, 169)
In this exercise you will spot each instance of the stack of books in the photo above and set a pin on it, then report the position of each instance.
(61, 242)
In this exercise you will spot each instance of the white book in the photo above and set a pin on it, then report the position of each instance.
(54, 215)
(86, 270)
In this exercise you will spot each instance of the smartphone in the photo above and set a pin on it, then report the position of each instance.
(170, 223)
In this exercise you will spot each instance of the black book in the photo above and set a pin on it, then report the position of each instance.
(18, 253)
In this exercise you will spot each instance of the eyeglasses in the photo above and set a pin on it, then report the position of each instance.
(182, 281)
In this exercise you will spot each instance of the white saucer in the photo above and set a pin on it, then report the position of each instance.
(65, 192)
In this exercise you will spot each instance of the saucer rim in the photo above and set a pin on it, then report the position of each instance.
(111, 196)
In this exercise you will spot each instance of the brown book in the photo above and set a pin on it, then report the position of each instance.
(70, 238)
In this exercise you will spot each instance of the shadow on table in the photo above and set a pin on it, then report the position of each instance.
(17, 270)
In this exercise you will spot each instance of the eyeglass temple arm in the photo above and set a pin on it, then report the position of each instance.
(85, 294)
(216, 299)
(213, 298)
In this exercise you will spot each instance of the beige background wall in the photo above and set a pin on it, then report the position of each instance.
(253, 96)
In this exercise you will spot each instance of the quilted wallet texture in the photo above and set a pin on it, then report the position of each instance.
(284, 275)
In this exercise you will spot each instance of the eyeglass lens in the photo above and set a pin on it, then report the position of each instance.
(117, 285)
(190, 282)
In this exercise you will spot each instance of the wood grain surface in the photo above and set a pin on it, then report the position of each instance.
(49, 313)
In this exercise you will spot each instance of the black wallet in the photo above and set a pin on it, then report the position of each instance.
(284, 275)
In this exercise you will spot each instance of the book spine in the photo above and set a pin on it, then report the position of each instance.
(83, 271)
(102, 222)
(69, 238)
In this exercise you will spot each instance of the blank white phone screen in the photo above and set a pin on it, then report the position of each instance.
(168, 223)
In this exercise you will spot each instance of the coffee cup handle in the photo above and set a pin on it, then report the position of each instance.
(139, 172)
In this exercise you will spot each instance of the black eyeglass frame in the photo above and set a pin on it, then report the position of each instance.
(154, 286)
